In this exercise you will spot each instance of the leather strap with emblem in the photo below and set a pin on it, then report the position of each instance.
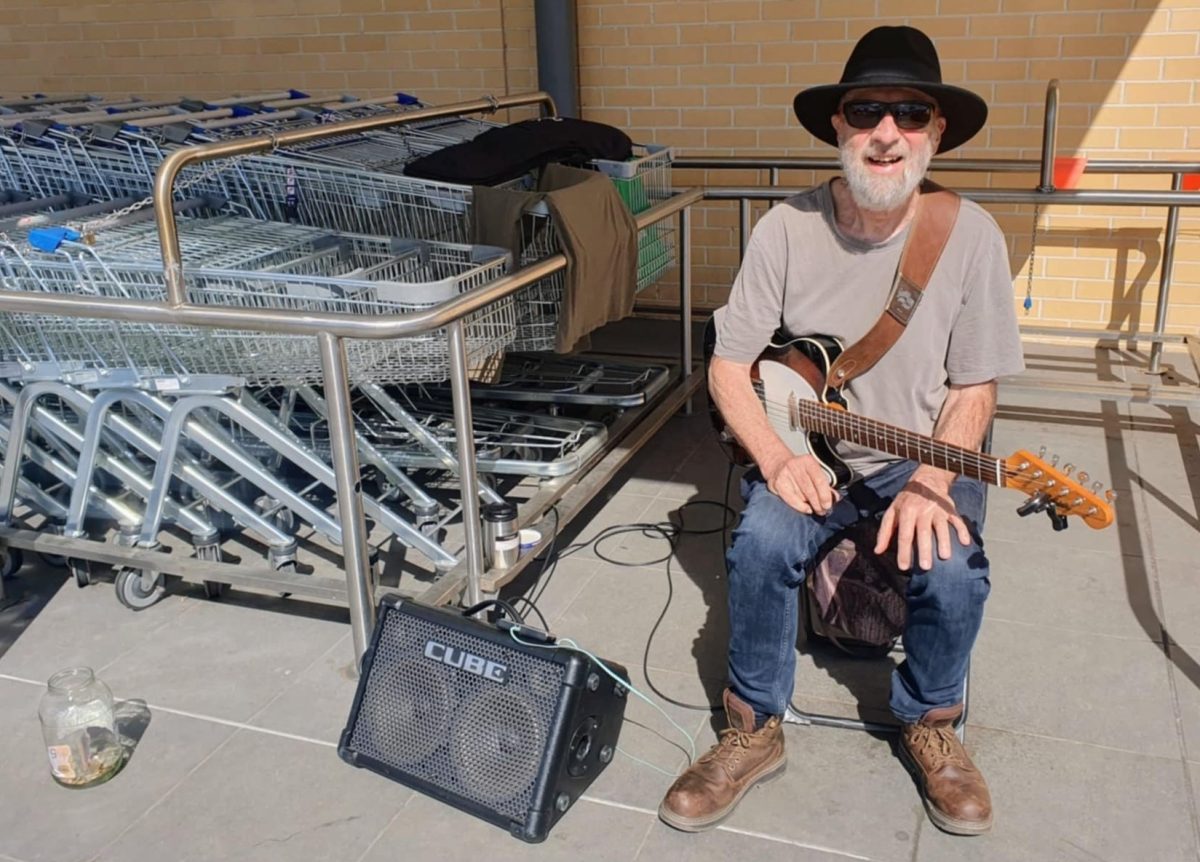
(937, 210)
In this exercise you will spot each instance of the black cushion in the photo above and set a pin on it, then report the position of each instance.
(507, 152)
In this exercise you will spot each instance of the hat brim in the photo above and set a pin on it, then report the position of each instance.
(964, 111)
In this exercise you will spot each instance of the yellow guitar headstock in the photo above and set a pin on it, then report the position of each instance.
(1051, 487)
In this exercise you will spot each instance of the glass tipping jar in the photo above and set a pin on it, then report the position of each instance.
(79, 729)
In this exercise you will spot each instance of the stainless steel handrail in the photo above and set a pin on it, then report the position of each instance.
(315, 323)
(970, 166)
(168, 171)
(995, 196)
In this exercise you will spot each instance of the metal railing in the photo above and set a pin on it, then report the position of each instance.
(1044, 194)
(331, 329)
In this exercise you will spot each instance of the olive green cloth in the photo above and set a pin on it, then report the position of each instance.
(594, 229)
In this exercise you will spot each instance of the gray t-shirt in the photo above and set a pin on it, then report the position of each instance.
(801, 270)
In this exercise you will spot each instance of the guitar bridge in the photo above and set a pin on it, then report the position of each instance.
(793, 412)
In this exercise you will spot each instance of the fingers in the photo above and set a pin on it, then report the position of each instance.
(804, 485)
(906, 527)
(941, 529)
(823, 495)
(960, 527)
(786, 488)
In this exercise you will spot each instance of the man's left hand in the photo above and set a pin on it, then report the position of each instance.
(921, 512)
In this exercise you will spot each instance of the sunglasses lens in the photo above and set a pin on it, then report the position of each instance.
(863, 115)
(912, 115)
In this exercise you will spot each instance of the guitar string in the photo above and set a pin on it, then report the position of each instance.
(1060, 492)
(850, 422)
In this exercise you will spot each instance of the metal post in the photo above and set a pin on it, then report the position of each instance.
(685, 299)
(1049, 137)
(558, 52)
(743, 228)
(360, 592)
(1164, 278)
(468, 479)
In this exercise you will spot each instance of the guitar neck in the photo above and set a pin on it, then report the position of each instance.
(842, 425)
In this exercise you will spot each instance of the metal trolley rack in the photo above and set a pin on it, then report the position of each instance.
(172, 308)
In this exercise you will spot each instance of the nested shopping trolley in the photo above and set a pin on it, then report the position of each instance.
(153, 426)
(345, 181)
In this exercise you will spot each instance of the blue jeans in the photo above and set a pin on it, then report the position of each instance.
(773, 547)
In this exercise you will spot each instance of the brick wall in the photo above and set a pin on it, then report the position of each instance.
(718, 78)
(713, 78)
(441, 50)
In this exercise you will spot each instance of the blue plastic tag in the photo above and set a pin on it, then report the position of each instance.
(50, 238)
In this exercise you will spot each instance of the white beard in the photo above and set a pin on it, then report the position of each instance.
(885, 193)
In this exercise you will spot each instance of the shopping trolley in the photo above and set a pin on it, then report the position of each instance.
(181, 388)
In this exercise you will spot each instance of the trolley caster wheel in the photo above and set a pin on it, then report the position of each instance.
(82, 570)
(132, 594)
(56, 561)
(215, 589)
(11, 560)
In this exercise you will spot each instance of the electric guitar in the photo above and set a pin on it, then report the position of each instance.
(789, 377)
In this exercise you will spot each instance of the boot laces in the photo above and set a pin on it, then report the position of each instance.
(729, 750)
(939, 746)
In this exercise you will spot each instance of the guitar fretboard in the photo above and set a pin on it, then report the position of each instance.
(832, 422)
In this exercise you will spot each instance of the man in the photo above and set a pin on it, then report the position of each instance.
(824, 262)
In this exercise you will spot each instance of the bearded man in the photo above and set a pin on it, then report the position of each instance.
(825, 262)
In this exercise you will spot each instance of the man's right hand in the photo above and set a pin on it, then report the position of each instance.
(801, 482)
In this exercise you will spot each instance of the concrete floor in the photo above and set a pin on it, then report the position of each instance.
(1085, 712)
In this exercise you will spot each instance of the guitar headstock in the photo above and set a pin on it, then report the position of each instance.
(1052, 487)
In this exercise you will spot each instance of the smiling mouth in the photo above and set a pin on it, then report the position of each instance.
(883, 161)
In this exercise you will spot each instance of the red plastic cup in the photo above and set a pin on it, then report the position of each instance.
(1068, 170)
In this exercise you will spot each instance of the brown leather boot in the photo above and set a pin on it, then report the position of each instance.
(711, 788)
(953, 789)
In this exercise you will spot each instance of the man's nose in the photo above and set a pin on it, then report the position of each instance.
(886, 132)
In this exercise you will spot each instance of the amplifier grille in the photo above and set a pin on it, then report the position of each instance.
(472, 736)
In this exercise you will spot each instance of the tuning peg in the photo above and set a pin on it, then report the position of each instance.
(1054, 460)
(1041, 451)
(1096, 486)
(1110, 495)
(1083, 477)
(1068, 468)
(1036, 503)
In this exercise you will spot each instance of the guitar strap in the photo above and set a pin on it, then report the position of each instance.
(937, 210)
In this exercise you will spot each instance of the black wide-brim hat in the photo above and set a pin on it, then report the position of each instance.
(894, 57)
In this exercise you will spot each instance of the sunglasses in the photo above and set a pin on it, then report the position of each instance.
(909, 116)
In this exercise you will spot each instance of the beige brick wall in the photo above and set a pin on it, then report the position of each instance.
(713, 78)
(718, 78)
(440, 50)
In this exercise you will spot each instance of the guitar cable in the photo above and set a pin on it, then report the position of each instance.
(670, 532)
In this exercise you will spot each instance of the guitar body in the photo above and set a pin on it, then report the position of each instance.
(790, 368)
